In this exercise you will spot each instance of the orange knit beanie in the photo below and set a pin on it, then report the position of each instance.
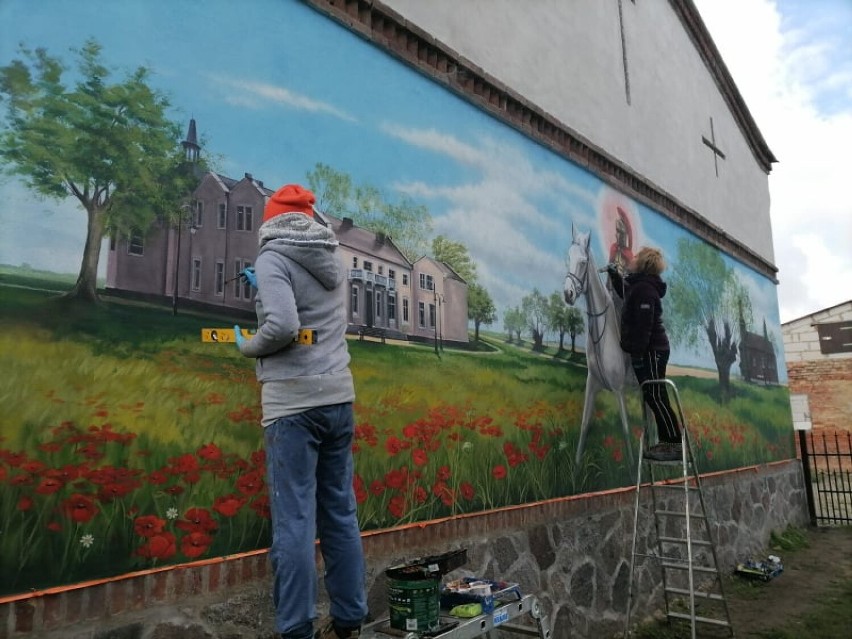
(290, 198)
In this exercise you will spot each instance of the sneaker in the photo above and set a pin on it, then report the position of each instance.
(328, 630)
(665, 451)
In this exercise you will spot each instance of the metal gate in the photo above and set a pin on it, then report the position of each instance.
(827, 466)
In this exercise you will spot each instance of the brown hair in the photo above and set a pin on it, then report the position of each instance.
(649, 260)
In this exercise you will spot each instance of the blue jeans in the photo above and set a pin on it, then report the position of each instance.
(309, 468)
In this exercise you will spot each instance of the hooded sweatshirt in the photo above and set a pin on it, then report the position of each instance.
(299, 286)
(642, 327)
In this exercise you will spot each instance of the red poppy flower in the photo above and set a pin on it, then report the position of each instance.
(149, 525)
(396, 478)
(260, 506)
(250, 484)
(48, 486)
(419, 457)
(228, 505)
(210, 452)
(443, 473)
(25, 503)
(499, 471)
(197, 520)
(396, 506)
(377, 487)
(420, 495)
(54, 526)
(80, 508)
(161, 546)
(157, 478)
(195, 544)
(467, 490)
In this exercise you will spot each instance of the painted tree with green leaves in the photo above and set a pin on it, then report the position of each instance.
(456, 255)
(514, 323)
(108, 144)
(480, 308)
(333, 190)
(705, 300)
(564, 319)
(535, 309)
(405, 221)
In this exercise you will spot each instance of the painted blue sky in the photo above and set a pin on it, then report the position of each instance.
(276, 88)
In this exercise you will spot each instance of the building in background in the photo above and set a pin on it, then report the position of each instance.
(818, 350)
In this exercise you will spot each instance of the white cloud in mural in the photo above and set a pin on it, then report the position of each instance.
(498, 213)
(255, 95)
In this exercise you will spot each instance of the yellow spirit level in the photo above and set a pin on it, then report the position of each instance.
(306, 336)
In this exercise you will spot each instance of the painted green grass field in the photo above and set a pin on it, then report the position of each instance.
(127, 442)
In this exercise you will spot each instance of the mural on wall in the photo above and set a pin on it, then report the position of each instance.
(128, 443)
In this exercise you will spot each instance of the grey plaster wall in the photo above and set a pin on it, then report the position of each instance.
(567, 58)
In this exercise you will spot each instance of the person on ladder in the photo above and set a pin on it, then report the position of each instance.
(644, 337)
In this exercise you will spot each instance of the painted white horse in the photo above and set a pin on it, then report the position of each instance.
(609, 366)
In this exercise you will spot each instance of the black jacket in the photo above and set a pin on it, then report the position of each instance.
(642, 327)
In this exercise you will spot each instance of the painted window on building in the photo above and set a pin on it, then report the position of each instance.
(136, 243)
(422, 314)
(220, 278)
(405, 310)
(245, 218)
(198, 214)
(196, 274)
(426, 282)
(222, 219)
(242, 289)
(391, 307)
(354, 300)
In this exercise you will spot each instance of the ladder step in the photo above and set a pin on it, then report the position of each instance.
(707, 620)
(683, 565)
(675, 540)
(676, 486)
(698, 593)
(678, 513)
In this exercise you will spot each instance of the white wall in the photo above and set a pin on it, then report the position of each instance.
(565, 56)
(801, 339)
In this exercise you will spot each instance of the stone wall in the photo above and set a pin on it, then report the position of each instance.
(573, 553)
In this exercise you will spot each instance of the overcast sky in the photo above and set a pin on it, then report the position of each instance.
(792, 62)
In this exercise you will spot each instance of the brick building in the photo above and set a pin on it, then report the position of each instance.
(818, 350)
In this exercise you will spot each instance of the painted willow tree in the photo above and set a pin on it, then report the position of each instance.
(706, 300)
(109, 145)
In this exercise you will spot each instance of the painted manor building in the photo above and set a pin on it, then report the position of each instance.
(198, 263)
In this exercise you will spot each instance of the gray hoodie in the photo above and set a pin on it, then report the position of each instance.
(299, 282)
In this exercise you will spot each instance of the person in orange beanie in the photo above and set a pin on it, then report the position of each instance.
(306, 396)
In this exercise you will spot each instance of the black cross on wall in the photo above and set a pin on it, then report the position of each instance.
(717, 152)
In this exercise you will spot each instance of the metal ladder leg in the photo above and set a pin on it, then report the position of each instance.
(686, 487)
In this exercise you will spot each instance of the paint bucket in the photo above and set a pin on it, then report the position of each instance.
(414, 604)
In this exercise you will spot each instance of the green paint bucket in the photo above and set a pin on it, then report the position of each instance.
(414, 604)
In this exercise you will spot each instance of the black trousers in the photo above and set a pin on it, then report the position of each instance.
(652, 365)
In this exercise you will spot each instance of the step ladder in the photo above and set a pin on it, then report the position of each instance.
(685, 552)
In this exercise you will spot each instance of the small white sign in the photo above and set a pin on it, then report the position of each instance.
(801, 412)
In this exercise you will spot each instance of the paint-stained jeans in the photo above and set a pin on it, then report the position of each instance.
(309, 467)
(652, 365)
